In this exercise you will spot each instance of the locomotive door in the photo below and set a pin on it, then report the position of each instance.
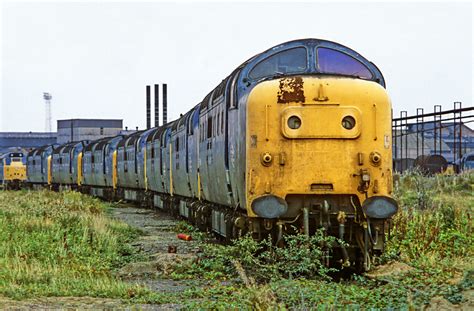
(192, 151)
(210, 156)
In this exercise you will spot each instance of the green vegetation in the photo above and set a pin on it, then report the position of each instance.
(302, 257)
(434, 228)
(429, 254)
(61, 244)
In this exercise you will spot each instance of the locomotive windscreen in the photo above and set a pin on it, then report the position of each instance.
(335, 62)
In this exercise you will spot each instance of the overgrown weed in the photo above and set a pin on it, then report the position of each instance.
(432, 233)
(262, 261)
(61, 244)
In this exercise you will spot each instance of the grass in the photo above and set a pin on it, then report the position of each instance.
(435, 224)
(64, 244)
(61, 244)
(432, 235)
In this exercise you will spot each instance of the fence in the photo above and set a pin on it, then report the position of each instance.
(432, 140)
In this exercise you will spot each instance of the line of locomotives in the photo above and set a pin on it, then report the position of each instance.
(295, 139)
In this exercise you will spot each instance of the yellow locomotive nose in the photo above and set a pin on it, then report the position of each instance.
(309, 148)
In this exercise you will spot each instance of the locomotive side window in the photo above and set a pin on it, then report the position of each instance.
(209, 127)
(104, 155)
(222, 122)
(285, 62)
(332, 61)
(216, 121)
(135, 154)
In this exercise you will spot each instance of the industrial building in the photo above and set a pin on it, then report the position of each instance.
(456, 137)
(87, 129)
(10, 141)
(68, 130)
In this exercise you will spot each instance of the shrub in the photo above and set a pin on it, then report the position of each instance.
(301, 257)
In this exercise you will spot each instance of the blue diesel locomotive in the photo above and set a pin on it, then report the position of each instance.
(296, 138)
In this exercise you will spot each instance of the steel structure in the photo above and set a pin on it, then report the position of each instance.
(423, 138)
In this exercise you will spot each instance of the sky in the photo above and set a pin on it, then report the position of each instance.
(96, 58)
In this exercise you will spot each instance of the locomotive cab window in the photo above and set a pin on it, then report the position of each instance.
(285, 62)
(232, 91)
(332, 61)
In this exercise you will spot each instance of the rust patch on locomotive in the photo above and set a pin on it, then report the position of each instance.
(291, 90)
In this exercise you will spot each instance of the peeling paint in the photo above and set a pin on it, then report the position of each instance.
(253, 141)
(291, 90)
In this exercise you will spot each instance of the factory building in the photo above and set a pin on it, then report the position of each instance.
(12, 141)
(68, 130)
(87, 129)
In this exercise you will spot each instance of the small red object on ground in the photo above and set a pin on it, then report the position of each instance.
(185, 237)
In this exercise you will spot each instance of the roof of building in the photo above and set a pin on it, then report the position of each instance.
(104, 123)
(27, 135)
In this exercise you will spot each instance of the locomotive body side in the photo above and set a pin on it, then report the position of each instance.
(38, 169)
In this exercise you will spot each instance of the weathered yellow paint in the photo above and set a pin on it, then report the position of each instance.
(321, 151)
(199, 186)
(50, 171)
(266, 121)
(171, 171)
(114, 169)
(14, 171)
(79, 169)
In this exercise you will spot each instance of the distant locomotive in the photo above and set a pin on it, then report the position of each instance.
(295, 139)
(12, 169)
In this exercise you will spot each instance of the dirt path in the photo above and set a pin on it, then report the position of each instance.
(159, 236)
(158, 228)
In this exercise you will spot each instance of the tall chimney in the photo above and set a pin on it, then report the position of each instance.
(148, 107)
(157, 108)
(165, 103)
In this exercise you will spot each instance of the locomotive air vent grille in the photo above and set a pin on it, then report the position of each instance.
(322, 186)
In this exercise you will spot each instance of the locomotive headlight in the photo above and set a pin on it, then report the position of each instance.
(269, 206)
(294, 122)
(348, 122)
(380, 207)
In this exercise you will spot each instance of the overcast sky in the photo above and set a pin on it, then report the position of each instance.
(95, 58)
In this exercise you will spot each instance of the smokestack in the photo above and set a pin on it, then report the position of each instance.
(157, 108)
(148, 107)
(165, 103)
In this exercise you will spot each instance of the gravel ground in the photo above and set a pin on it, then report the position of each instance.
(158, 235)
